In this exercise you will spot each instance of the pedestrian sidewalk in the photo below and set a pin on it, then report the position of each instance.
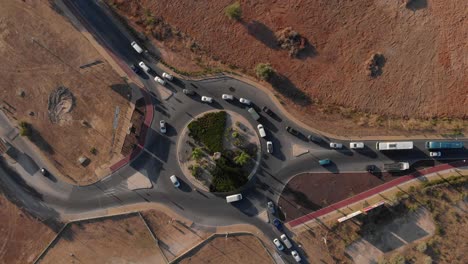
(381, 193)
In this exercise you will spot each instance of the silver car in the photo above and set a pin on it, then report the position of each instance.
(162, 126)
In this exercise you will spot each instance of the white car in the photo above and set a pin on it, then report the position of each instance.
(167, 76)
(269, 147)
(227, 97)
(261, 130)
(286, 241)
(162, 126)
(244, 101)
(334, 145)
(159, 80)
(206, 99)
(356, 145)
(143, 66)
(296, 256)
(271, 207)
(175, 181)
(435, 154)
(278, 244)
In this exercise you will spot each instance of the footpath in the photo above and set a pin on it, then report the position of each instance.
(379, 194)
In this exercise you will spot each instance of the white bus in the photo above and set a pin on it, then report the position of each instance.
(394, 145)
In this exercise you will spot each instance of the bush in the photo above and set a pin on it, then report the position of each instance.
(233, 11)
(25, 129)
(398, 259)
(195, 170)
(93, 151)
(242, 158)
(422, 247)
(226, 176)
(427, 260)
(209, 130)
(197, 154)
(264, 71)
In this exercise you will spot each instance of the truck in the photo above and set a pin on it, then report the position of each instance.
(394, 145)
(444, 145)
(253, 113)
(397, 166)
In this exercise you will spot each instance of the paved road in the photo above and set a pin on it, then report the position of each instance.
(158, 161)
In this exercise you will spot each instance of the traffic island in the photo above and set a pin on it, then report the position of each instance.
(218, 151)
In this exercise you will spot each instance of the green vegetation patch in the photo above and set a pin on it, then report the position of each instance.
(233, 11)
(209, 130)
(227, 176)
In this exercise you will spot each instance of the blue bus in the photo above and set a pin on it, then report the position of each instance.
(444, 145)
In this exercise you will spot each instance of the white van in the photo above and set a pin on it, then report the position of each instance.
(234, 198)
(261, 130)
(143, 66)
(136, 47)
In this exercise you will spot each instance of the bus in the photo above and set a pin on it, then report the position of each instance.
(394, 145)
(444, 144)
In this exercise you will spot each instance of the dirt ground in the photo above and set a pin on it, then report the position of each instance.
(234, 249)
(174, 237)
(422, 44)
(41, 51)
(22, 237)
(120, 239)
(306, 193)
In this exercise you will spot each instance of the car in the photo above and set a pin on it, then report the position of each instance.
(261, 130)
(143, 66)
(234, 198)
(314, 138)
(175, 181)
(268, 111)
(296, 256)
(435, 154)
(292, 131)
(162, 126)
(134, 68)
(206, 99)
(269, 147)
(159, 80)
(277, 224)
(334, 145)
(244, 101)
(371, 168)
(324, 162)
(356, 145)
(286, 241)
(188, 92)
(271, 207)
(227, 97)
(44, 171)
(278, 244)
(136, 47)
(167, 76)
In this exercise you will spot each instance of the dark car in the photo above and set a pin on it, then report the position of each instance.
(292, 131)
(371, 168)
(277, 223)
(134, 68)
(314, 138)
(268, 111)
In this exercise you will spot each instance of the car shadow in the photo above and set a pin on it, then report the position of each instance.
(184, 186)
(366, 151)
(345, 151)
(332, 167)
(277, 148)
(178, 82)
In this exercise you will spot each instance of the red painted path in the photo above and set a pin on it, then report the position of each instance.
(373, 191)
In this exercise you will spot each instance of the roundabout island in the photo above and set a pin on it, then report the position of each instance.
(218, 151)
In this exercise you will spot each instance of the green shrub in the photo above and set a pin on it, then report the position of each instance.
(242, 158)
(398, 259)
(422, 247)
(233, 11)
(209, 130)
(235, 134)
(25, 129)
(227, 176)
(197, 154)
(264, 71)
(195, 170)
(93, 151)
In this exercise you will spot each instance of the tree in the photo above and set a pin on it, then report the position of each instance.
(242, 158)
(233, 11)
(25, 129)
(264, 71)
(197, 153)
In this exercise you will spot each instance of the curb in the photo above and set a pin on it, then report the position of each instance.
(371, 192)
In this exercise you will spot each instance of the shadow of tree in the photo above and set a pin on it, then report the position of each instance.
(416, 4)
(40, 142)
(123, 90)
(284, 86)
(262, 33)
